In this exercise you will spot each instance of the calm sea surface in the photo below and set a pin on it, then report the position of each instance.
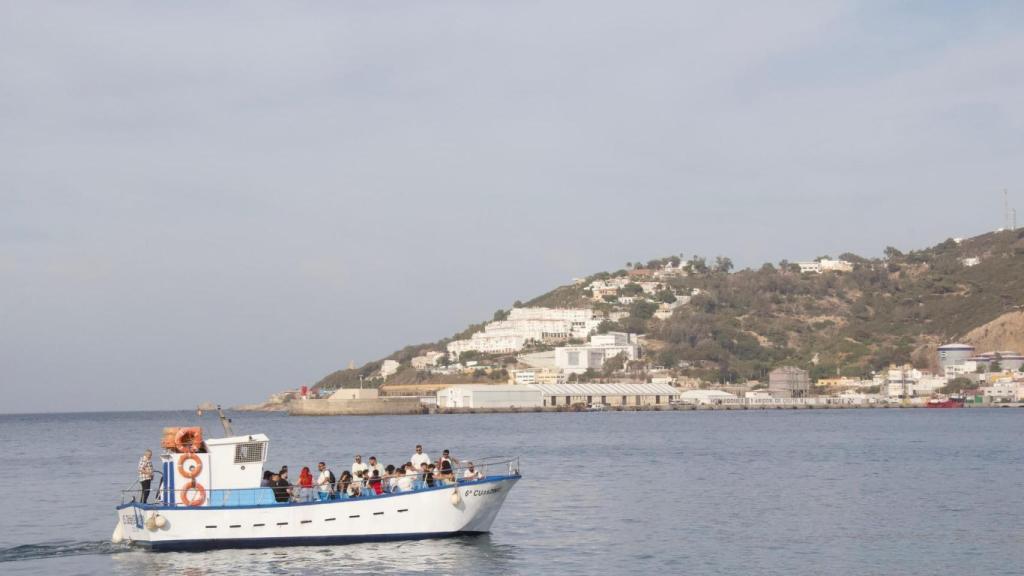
(774, 492)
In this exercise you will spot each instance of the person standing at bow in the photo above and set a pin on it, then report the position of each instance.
(146, 473)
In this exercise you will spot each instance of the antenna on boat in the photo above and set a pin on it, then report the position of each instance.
(225, 422)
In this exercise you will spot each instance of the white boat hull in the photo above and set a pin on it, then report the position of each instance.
(426, 513)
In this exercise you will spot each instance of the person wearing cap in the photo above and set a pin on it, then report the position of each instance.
(419, 458)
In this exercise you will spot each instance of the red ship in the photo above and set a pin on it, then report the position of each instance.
(945, 403)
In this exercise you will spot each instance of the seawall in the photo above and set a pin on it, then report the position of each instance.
(357, 407)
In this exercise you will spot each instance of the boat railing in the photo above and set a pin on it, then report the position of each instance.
(160, 495)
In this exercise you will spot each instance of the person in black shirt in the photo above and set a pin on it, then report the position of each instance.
(282, 489)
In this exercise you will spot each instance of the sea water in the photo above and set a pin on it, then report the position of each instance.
(795, 492)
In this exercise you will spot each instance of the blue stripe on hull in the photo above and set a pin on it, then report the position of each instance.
(214, 544)
(279, 505)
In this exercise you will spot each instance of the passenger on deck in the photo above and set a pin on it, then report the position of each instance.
(358, 466)
(146, 473)
(471, 473)
(281, 488)
(374, 465)
(376, 483)
(305, 485)
(267, 476)
(406, 478)
(427, 475)
(355, 489)
(389, 478)
(419, 458)
(324, 482)
(446, 467)
(344, 483)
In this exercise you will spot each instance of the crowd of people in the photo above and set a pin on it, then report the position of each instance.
(368, 479)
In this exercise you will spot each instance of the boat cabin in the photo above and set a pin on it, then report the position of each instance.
(207, 475)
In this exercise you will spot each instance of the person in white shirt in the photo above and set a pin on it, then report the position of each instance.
(374, 466)
(325, 482)
(419, 458)
(358, 466)
(471, 473)
(405, 478)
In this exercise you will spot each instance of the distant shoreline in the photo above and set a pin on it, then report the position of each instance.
(655, 408)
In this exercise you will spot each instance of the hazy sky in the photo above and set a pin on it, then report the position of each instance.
(214, 201)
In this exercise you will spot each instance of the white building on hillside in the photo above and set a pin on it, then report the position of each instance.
(578, 359)
(525, 325)
(388, 368)
(427, 360)
(825, 265)
(481, 342)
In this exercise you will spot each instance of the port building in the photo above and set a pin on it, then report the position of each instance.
(489, 396)
(617, 394)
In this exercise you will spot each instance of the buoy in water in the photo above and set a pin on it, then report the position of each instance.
(455, 497)
(160, 521)
(118, 536)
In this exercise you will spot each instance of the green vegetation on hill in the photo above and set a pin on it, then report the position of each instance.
(740, 325)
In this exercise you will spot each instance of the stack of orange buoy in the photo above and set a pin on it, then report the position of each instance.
(186, 440)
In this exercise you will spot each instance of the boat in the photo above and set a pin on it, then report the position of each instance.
(945, 402)
(210, 497)
(598, 407)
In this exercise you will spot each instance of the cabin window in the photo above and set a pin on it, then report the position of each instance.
(249, 452)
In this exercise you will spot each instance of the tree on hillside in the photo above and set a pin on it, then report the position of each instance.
(500, 315)
(697, 265)
(607, 326)
(892, 253)
(666, 296)
(632, 289)
(723, 264)
(957, 385)
(643, 310)
(614, 364)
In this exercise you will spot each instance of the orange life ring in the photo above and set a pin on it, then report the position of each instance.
(188, 439)
(200, 494)
(195, 470)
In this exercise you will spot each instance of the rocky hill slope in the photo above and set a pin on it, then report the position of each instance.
(741, 324)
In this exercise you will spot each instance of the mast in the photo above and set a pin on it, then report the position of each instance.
(225, 422)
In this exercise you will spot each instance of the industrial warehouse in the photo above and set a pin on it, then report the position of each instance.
(543, 395)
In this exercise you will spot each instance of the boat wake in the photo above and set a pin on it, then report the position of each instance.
(59, 550)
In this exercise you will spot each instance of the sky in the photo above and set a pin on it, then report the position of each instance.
(216, 201)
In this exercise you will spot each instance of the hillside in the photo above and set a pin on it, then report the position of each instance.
(738, 325)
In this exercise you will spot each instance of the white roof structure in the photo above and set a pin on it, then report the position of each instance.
(647, 389)
(705, 395)
(489, 387)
